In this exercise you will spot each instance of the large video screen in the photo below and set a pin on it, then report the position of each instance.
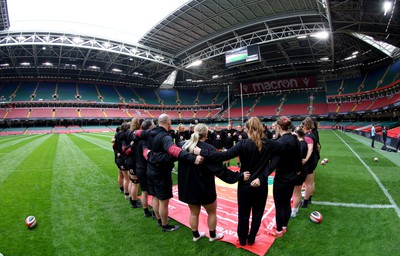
(243, 55)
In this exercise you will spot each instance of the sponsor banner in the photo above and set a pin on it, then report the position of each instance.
(281, 84)
(227, 216)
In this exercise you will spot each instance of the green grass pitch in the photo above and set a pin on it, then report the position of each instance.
(69, 183)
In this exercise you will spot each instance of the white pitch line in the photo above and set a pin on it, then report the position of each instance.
(371, 206)
(395, 206)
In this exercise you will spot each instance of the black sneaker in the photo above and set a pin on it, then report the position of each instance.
(170, 228)
(148, 214)
(304, 204)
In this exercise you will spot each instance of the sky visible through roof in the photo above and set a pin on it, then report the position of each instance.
(123, 20)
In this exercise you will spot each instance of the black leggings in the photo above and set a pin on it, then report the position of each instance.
(250, 199)
(282, 194)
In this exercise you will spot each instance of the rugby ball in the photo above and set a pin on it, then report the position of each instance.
(30, 221)
(376, 159)
(316, 217)
(323, 162)
(326, 160)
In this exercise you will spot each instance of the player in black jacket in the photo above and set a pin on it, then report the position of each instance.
(120, 175)
(120, 142)
(305, 143)
(239, 135)
(217, 138)
(196, 184)
(255, 154)
(313, 158)
(287, 166)
(159, 175)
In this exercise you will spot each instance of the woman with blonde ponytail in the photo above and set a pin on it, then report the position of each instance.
(196, 183)
(255, 153)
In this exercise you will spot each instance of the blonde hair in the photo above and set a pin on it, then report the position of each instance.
(308, 123)
(255, 131)
(135, 124)
(200, 131)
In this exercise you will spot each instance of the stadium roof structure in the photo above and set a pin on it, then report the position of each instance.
(329, 39)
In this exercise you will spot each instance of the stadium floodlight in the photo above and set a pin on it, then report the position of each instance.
(106, 45)
(94, 67)
(117, 70)
(21, 38)
(195, 64)
(302, 37)
(324, 59)
(215, 76)
(321, 35)
(355, 53)
(387, 6)
(48, 64)
(25, 64)
(4, 65)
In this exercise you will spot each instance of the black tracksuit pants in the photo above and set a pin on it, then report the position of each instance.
(250, 199)
(282, 194)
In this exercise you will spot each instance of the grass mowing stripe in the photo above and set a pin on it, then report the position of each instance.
(26, 192)
(11, 160)
(80, 204)
(93, 142)
(385, 191)
(5, 144)
(372, 206)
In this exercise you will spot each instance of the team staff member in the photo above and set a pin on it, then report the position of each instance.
(312, 159)
(255, 153)
(159, 141)
(196, 184)
(287, 164)
(373, 133)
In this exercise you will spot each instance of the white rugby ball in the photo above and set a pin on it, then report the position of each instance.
(323, 162)
(326, 160)
(316, 217)
(30, 221)
(376, 159)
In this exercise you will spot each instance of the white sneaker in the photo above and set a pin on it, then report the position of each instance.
(294, 213)
(217, 237)
(202, 234)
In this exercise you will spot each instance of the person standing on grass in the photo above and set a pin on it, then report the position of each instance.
(130, 163)
(120, 143)
(311, 160)
(196, 184)
(159, 175)
(373, 133)
(239, 135)
(305, 143)
(228, 139)
(120, 175)
(287, 165)
(141, 167)
(384, 137)
(255, 153)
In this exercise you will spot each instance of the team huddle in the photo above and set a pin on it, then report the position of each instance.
(145, 155)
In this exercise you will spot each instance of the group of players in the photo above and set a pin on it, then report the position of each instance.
(145, 155)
